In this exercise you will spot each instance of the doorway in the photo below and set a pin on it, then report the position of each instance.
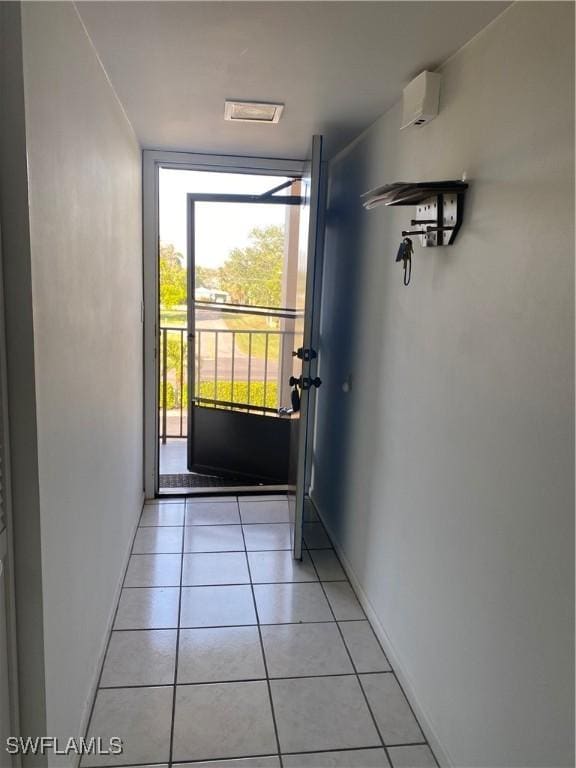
(227, 282)
(243, 326)
(227, 246)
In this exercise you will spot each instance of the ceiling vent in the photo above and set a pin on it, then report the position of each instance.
(252, 112)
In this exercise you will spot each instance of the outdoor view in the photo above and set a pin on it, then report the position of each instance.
(243, 336)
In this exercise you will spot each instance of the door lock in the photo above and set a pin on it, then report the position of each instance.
(305, 353)
(304, 382)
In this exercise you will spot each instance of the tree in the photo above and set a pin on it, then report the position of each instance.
(207, 277)
(253, 275)
(172, 277)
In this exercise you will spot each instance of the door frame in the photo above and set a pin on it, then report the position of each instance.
(192, 198)
(152, 161)
(7, 536)
(305, 425)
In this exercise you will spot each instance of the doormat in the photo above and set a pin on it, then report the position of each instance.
(193, 480)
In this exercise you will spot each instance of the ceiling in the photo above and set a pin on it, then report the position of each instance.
(335, 65)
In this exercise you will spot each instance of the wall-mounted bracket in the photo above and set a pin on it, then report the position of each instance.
(438, 219)
(439, 208)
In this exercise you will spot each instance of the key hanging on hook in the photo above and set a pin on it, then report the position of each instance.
(404, 255)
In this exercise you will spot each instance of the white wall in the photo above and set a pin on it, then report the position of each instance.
(446, 475)
(85, 223)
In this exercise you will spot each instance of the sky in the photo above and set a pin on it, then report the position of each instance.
(220, 227)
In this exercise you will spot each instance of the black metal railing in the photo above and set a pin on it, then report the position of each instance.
(235, 369)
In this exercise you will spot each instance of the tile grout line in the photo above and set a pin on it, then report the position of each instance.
(425, 741)
(177, 651)
(109, 638)
(262, 651)
(182, 763)
(217, 762)
(320, 581)
(357, 676)
(222, 525)
(142, 629)
(224, 551)
(222, 626)
(228, 525)
(253, 757)
(422, 743)
(239, 680)
(236, 584)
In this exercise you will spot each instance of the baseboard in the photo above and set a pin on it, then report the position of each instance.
(85, 720)
(439, 750)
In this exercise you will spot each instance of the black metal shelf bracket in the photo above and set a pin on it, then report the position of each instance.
(439, 208)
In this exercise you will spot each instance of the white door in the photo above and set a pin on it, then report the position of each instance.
(305, 378)
(5, 709)
(7, 645)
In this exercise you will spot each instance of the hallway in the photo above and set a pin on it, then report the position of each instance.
(225, 649)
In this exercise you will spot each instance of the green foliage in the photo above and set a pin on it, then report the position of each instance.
(240, 395)
(258, 348)
(253, 275)
(208, 277)
(172, 277)
(175, 397)
(173, 354)
(174, 318)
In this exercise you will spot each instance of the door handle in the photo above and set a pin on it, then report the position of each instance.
(304, 382)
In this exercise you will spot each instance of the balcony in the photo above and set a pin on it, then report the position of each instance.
(243, 368)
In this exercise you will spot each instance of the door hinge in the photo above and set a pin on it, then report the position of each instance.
(305, 353)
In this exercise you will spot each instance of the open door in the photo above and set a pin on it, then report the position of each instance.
(305, 355)
(5, 701)
(8, 661)
(251, 364)
(241, 333)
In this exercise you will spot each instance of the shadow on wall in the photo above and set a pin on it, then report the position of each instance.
(349, 351)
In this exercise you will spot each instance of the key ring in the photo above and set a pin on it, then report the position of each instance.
(404, 255)
(407, 268)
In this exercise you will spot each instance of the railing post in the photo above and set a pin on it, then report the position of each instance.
(164, 382)
(180, 433)
(233, 358)
(266, 367)
(249, 365)
(216, 335)
(198, 348)
(250, 359)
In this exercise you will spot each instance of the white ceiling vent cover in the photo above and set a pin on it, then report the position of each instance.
(252, 112)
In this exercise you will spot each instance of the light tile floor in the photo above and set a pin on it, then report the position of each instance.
(227, 653)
